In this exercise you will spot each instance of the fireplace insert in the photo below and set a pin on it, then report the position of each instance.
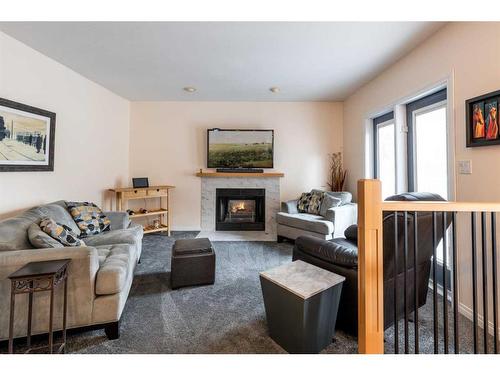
(240, 209)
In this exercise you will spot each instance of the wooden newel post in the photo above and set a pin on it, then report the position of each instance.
(370, 268)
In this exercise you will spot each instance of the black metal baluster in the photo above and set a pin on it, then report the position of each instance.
(494, 270)
(484, 246)
(434, 283)
(474, 279)
(407, 343)
(455, 285)
(415, 276)
(396, 325)
(445, 287)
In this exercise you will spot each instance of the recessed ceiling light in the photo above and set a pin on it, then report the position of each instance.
(189, 89)
(274, 90)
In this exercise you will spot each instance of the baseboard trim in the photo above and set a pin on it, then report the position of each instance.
(467, 311)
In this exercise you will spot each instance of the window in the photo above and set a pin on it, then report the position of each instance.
(431, 172)
(428, 154)
(428, 145)
(385, 153)
(415, 157)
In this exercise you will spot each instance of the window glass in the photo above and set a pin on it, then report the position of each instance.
(386, 162)
(431, 167)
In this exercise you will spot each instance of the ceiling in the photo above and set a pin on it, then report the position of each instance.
(225, 61)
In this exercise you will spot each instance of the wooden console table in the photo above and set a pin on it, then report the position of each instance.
(123, 195)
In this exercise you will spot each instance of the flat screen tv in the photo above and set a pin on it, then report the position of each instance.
(240, 148)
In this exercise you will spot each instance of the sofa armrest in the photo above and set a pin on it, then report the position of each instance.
(84, 257)
(342, 217)
(119, 220)
(339, 251)
(290, 207)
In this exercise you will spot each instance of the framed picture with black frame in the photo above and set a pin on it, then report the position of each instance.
(27, 138)
(481, 120)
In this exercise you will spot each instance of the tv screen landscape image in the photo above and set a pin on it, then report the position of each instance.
(240, 148)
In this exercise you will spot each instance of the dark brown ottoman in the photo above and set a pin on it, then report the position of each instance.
(193, 263)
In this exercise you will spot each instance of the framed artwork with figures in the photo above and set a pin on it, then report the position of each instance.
(27, 137)
(482, 120)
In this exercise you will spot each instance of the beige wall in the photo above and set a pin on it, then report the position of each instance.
(168, 144)
(92, 131)
(468, 55)
(464, 52)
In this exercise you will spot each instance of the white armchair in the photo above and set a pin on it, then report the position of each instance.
(291, 223)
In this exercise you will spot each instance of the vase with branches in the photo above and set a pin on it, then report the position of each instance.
(337, 172)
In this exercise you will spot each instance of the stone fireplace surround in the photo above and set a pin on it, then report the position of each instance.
(209, 185)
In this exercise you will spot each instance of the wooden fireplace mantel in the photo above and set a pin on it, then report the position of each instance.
(226, 174)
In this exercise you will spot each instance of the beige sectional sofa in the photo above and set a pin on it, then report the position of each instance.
(99, 276)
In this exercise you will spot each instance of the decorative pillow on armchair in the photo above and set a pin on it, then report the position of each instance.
(89, 218)
(327, 203)
(60, 232)
(310, 202)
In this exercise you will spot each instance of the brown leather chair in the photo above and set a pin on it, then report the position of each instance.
(341, 257)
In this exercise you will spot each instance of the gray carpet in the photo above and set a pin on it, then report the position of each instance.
(227, 317)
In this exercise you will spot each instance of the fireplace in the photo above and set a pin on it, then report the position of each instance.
(240, 209)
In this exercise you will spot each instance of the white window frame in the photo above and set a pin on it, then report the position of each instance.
(398, 106)
(377, 147)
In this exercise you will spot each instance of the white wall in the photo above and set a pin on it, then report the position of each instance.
(168, 144)
(468, 55)
(463, 52)
(92, 131)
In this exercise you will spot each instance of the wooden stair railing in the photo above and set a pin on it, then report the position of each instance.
(370, 269)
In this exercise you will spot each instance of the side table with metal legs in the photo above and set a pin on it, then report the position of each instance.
(37, 277)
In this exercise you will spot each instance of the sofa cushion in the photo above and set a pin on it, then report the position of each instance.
(41, 240)
(116, 263)
(310, 202)
(309, 222)
(132, 236)
(89, 218)
(61, 215)
(327, 203)
(119, 220)
(60, 232)
(344, 196)
(337, 251)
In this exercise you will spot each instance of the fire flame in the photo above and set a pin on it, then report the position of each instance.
(238, 207)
